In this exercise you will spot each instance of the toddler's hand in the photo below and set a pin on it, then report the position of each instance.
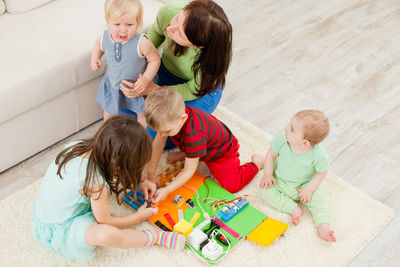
(161, 194)
(95, 64)
(141, 83)
(267, 181)
(148, 187)
(153, 178)
(305, 195)
(145, 213)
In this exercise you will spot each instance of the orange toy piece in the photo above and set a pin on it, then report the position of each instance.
(175, 200)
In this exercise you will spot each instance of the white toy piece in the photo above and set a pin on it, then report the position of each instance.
(212, 250)
(202, 224)
(196, 237)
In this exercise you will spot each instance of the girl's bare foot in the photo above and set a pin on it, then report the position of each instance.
(258, 159)
(175, 156)
(325, 232)
(296, 215)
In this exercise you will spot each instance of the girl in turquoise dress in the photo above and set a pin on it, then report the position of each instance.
(71, 215)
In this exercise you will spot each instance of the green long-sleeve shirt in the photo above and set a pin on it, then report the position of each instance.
(179, 66)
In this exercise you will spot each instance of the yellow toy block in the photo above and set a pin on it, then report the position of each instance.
(267, 232)
(194, 218)
(183, 227)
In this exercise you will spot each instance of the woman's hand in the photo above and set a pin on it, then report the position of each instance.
(129, 89)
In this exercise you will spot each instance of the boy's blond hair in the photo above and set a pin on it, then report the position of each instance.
(114, 9)
(163, 105)
(315, 125)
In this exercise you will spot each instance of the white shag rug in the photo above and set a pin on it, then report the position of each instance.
(356, 219)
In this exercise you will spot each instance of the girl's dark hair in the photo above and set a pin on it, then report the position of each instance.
(208, 28)
(118, 152)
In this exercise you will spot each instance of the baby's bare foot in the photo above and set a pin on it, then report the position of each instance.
(258, 159)
(175, 156)
(296, 215)
(325, 232)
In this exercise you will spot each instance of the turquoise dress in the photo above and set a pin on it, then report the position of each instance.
(61, 215)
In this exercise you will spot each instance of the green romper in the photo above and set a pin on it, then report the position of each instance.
(292, 171)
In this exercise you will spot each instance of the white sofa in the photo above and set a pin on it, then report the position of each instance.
(47, 89)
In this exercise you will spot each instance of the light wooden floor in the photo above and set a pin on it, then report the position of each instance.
(340, 56)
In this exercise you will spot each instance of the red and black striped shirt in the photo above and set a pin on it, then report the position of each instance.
(203, 136)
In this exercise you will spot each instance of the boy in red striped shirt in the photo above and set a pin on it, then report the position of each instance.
(199, 136)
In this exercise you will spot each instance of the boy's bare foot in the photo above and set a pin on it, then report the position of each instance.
(258, 159)
(175, 156)
(325, 232)
(296, 215)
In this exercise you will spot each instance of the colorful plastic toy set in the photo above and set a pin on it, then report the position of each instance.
(212, 219)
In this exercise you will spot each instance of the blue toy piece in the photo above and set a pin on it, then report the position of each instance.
(231, 212)
(131, 202)
(135, 201)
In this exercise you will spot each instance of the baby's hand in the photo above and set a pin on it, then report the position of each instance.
(141, 83)
(145, 213)
(95, 64)
(305, 195)
(160, 195)
(267, 181)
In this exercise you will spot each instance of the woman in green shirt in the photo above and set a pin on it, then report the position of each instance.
(196, 38)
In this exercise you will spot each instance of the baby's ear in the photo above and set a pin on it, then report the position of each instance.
(306, 143)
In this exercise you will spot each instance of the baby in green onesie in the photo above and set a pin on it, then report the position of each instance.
(295, 166)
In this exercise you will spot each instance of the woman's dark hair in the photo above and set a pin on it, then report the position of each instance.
(118, 152)
(208, 28)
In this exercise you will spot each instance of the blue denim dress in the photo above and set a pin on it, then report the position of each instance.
(124, 62)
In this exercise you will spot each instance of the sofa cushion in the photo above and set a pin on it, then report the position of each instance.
(2, 7)
(48, 51)
(20, 6)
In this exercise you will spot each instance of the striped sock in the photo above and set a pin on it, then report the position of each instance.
(171, 240)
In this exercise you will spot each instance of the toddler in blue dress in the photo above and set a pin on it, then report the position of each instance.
(71, 215)
(129, 56)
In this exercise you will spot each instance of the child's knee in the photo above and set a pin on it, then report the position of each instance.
(232, 188)
(103, 235)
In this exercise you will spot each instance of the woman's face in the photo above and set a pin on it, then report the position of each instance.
(176, 30)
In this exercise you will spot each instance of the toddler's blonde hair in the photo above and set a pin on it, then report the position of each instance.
(315, 125)
(162, 106)
(114, 9)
